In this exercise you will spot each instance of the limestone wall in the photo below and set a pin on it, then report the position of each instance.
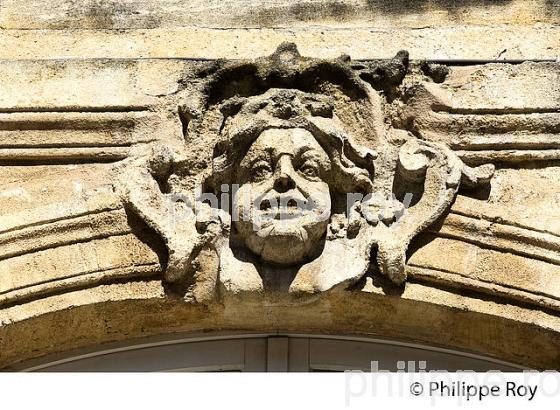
(432, 29)
(87, 87)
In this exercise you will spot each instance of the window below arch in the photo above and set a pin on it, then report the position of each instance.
(274, 353)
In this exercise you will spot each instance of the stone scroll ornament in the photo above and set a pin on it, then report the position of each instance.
(288, 178)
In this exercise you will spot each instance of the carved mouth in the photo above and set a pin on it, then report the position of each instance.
(283, 213)
(290, 206)
(288, 214)
(265, 205)
(288, 210)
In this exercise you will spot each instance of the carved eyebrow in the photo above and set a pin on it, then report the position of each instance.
(311, 153)
(272, 156)
(319, 159)
(250, 161)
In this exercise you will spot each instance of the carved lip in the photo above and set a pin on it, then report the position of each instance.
(289, 214)
(283, 213)
(289, 203)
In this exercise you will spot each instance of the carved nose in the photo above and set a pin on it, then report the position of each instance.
(284, 181)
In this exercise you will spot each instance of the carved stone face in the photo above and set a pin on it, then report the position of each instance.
(283, 202)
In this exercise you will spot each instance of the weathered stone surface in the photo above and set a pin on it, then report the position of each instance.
(469, 42)
(127, 14)
(102, 151)
(365, 29)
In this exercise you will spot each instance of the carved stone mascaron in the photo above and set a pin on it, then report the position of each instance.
(313, 188)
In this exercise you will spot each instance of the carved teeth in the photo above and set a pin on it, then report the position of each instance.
(292, 204)
(265, 205)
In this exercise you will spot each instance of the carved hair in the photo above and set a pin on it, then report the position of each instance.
(246, 118)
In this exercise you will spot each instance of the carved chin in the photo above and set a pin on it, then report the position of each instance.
(282, 248)
(283, 245)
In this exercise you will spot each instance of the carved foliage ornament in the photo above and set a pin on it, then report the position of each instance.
(289, 179)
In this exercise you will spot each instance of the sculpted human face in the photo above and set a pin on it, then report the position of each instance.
(283, 203)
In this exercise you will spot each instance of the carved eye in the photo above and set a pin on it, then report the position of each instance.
(309, 170)
(260, 170)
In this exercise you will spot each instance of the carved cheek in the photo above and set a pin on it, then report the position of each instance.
(243, 200)
(248, 196)
(319, 195)
(309, 188)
